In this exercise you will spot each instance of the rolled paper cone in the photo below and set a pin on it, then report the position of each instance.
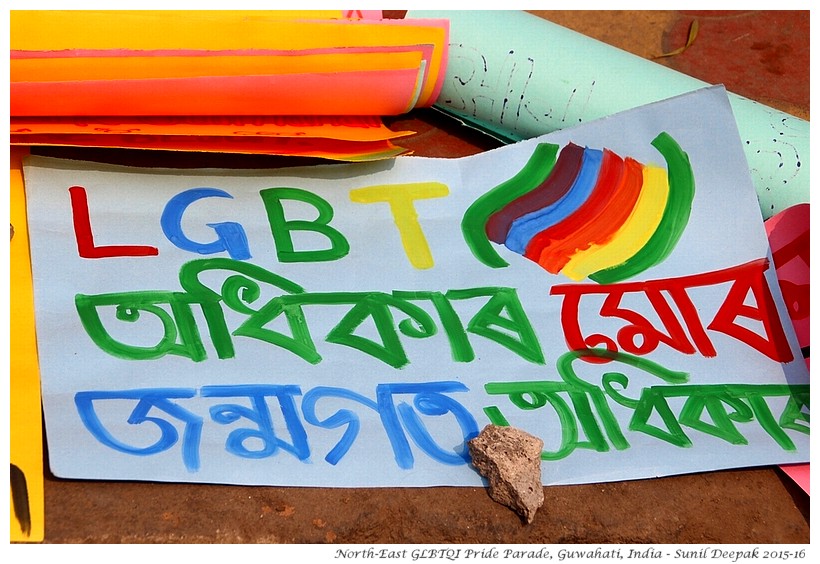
(520, 76)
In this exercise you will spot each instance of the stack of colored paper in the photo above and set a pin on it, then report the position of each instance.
(312, 83)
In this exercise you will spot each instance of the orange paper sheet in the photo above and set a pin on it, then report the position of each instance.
(26, 446)
(149, 63)
(132, 65)
(385, 92)
(343, 128)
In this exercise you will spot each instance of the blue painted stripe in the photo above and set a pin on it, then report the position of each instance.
(528, 226)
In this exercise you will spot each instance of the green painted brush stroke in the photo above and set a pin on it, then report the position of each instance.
(674, 220)
(534, 173)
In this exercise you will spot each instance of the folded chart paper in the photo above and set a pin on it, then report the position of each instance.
(51, 51)
(221, 63)
(356, 324)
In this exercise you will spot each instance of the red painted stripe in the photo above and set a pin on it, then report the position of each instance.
(614, 200)
(551, 241)
(556, 185)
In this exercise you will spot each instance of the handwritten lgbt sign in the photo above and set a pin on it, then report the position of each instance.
(608, 288)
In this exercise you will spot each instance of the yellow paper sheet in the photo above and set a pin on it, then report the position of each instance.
(26, 444)
(48, 30)
(208, 30)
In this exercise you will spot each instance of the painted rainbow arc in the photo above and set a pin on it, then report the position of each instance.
(586, 213)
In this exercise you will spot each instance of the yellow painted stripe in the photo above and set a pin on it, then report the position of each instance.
(634, 233)
(401, 198)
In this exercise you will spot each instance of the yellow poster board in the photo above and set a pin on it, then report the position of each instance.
(26, 441)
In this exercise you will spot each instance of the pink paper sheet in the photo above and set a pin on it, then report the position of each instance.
(788, 234)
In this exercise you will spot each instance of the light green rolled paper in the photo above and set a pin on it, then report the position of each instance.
(519, 76)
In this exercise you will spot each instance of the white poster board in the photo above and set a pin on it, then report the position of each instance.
(355, 325)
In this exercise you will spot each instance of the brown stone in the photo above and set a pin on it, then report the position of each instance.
(510, 459)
